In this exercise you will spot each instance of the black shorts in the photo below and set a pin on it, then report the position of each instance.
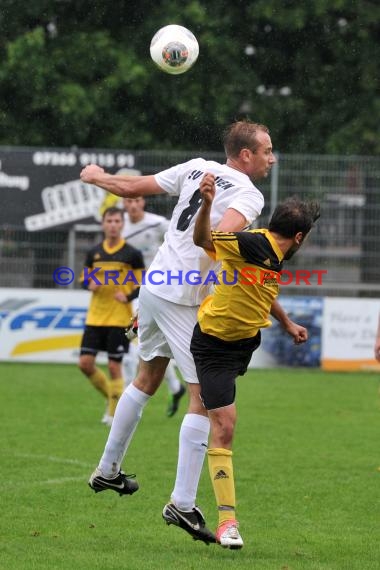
(106, 339)
(218, 363)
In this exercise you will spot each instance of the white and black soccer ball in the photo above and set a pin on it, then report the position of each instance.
(174, 49)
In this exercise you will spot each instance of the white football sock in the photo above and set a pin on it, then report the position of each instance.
(193, 439)
(172, 380)
(127, 415)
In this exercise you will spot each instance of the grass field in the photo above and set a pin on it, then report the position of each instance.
(307, 468)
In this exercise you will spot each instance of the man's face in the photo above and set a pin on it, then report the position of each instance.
(291, 251)
(262, 159)
(134, 206)
(300, 239)
(112, 226)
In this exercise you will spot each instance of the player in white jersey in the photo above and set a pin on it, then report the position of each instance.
(145, 231)
(177, 281)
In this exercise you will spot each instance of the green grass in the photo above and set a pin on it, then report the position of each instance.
(306, 460)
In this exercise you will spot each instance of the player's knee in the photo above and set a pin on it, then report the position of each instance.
(150, 374)
(148, 381)
(222, 429)
(86, 367)
(223, 434)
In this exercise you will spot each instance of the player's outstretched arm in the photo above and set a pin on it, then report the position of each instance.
(298, 332)
(202, 230)
(119, 184)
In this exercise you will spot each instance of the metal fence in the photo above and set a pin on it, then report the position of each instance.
(341, 257)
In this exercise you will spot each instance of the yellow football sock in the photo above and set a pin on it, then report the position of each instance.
(100, 381)
(115, 390)
(222, 479)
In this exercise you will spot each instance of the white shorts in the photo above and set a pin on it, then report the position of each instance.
(165, 329)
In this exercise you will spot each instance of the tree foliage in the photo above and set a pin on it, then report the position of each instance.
(78, 72)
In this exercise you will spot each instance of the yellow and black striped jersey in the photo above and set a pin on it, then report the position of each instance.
(246, 287)
(117, 268)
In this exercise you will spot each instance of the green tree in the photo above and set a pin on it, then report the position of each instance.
(78, 72)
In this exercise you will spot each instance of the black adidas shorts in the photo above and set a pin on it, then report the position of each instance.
(218, 363)
(106, 339)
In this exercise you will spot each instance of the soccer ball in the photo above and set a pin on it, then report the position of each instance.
(174, 49)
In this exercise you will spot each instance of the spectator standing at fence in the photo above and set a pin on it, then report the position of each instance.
(229, 323)
(145, 231)
(110, 311)
(168, 310)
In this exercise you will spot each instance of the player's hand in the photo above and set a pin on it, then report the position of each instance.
(121, 297)
(207, 188)
(377, 349)
(92, 286)
(298, 332)
(90, 173)
(131, 331)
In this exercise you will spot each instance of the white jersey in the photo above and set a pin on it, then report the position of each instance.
(180, 270)
(146, 235)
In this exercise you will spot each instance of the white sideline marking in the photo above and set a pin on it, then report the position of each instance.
(54, 459)
(30, 484)
(60, 481)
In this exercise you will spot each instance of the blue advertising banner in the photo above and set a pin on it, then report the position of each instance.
(277, 347)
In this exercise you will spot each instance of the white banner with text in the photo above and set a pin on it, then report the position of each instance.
(45, 325)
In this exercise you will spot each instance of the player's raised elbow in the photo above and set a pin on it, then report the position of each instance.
(197, 240)
(200, 239)
(204, 243)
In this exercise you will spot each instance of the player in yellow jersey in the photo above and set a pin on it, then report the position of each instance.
(229, 323)
(113, 273)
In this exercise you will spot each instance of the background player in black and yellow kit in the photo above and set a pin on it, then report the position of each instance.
(229, 323)
(113, 273)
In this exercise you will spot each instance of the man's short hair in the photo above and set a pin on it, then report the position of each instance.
(111, 211)
(241, 134)
(294, 215)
